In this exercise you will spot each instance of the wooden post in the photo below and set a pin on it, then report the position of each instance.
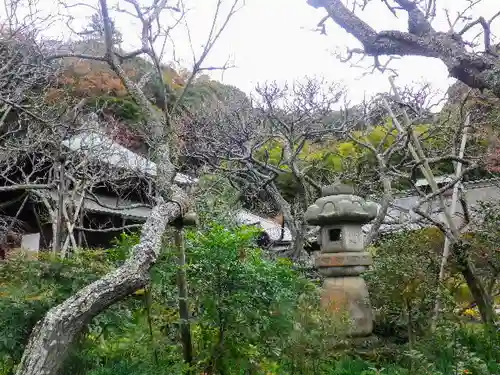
(59, 232)
(80, 232)
(190, 219)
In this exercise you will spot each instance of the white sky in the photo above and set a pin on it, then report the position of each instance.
(273, 40)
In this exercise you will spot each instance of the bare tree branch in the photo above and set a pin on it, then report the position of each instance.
(474, 69)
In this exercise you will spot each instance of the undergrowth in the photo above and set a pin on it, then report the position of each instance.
(250, 315)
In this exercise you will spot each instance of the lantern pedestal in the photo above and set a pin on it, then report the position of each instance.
(349, 295)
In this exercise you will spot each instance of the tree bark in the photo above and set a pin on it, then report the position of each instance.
(387, 199)
(299, 240)
(477, 70)
(446, 248)
(479, 293)
(60, 207)
(297, 228)
(52, 336)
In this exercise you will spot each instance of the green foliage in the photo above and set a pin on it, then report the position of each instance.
(122, 246)
(215, 200)
(403, 280)
(124, 108)
(250, 315)
(244, 303)
(234, 291)
(348, 159)
(456, 349)
(484, 243)
(203, 90)
(29, 288)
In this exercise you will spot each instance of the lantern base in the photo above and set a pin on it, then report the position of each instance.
(348, 296)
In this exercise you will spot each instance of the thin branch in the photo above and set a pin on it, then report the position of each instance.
(26, 187)
(124, 207)
(114, 229)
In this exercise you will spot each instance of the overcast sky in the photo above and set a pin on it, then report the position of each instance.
(273, 40)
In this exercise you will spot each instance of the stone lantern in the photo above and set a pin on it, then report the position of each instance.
(340, 215)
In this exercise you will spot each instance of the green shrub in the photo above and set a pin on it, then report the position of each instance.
(122, 108)
(244, 304)
(29, 288)
(471, 348)
(251, 316)
(243, 307)
(403, 282)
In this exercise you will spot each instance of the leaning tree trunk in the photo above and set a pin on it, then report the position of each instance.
(52, 336)
(483, 299)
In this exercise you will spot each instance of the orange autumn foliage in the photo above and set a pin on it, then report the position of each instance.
(88, 78)
(95, 80)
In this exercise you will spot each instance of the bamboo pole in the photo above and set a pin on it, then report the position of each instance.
(418, 154)
(189, 219)
(454, 199)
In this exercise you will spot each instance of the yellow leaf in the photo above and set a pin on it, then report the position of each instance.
(34, 298)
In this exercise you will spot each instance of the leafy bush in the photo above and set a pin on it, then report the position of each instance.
(243, 307)
(124, 108)
(403, 281)
(250, 316)
(29, 288)
(244, 304)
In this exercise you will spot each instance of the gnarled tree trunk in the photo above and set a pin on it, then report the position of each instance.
(477, 70)
(52, 336)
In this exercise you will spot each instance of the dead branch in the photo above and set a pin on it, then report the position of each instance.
(26, 187)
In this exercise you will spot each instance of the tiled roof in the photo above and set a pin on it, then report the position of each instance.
(273, 229)
(98, 146)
